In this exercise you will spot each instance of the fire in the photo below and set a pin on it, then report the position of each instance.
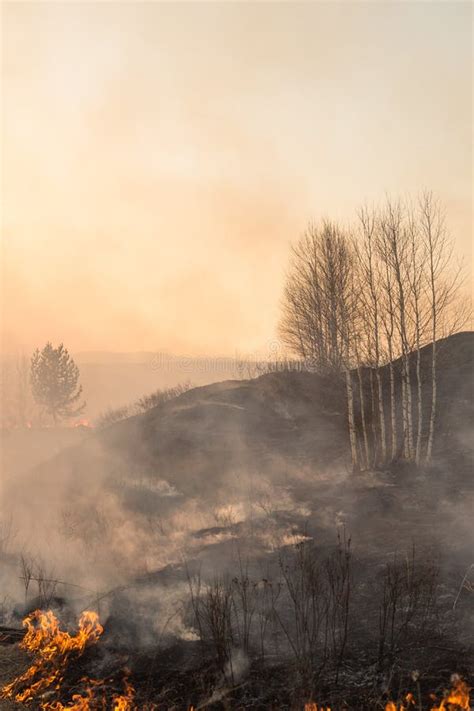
(84, 422)
(52, 649)
(409, 699)
(457, 699)
(95, 697)
(124, 702)
(79, 703)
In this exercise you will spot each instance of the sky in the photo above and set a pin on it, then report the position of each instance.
(158, 159)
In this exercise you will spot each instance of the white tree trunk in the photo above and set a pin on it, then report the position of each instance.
(373, 419)
(351, 421)
(406, 450)
(393, 406)
(419, 433)
(409, 408)
(393, 413)
(429, 449)
(362, 414)
(383, 435)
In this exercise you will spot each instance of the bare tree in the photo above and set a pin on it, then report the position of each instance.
(351, 420)
(396, 251)
(350, 333)
(444, 283)
(417, 283)
(387, 317)
(320, 306)
(317, 301)
(369, 266)
(356, 306)
(16, 398)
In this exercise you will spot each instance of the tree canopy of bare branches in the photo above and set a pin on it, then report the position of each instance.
(318, 306)
(359, 301)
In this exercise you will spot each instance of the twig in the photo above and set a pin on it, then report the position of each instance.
(462, 585)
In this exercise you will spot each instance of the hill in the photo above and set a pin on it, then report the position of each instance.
(278, 441)
(113, 379)
(278, 423)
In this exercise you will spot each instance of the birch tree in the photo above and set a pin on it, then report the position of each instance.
(417, 284)
(317, 301)
(444, 282)
(371, 282)
(320, 309)
(387, 318)
(395, 235)
(357, 303)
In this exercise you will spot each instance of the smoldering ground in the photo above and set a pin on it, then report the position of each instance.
(224, 528)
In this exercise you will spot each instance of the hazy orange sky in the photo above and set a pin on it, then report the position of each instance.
(158, 159)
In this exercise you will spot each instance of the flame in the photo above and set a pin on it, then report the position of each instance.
(52, 649)
(124, 702)
(410, 701)
(79, 703)
(95, 697)
(457, 699)
(84, 422)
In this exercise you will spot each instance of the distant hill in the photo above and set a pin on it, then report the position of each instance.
(114, 379)
(279, 425)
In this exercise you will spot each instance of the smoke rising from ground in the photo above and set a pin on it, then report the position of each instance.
(131, 512)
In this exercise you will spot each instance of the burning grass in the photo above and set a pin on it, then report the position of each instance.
(245, 624)
(47, 683)
(53, 650)
(455, 699)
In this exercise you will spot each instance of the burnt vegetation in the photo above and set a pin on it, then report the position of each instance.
(328, 625)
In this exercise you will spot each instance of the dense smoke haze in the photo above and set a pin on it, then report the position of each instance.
(236, 420)
(159, 159)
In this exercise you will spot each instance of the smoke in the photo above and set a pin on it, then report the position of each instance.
(206, 500)
(228, 116)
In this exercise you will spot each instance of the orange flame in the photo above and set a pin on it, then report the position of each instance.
(410, 701)
(124, 702)
(79, 703)
(84, 422)
(52, 648)
(95, 697)
(457, 699)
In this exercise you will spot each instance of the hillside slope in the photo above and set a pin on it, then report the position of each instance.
(279, 425)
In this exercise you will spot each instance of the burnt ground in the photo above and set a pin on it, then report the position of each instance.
(390, 517)
(269, 458)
